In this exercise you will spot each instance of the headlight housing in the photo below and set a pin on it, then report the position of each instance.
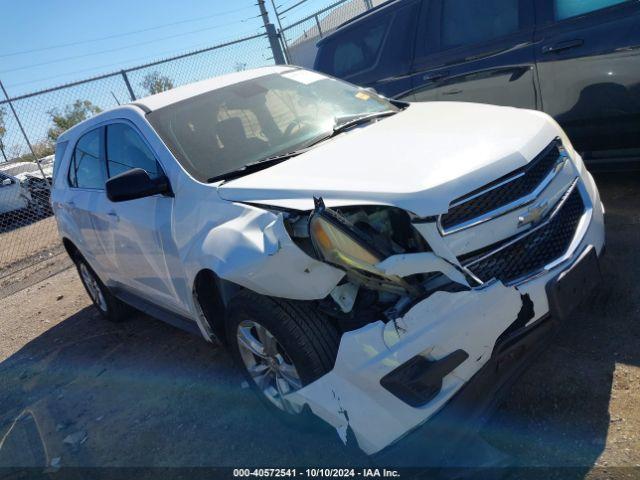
(338, 242)
(340, 246)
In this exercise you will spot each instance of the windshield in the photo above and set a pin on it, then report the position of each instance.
(225, 129)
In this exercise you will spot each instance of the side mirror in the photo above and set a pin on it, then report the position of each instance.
(134, 184)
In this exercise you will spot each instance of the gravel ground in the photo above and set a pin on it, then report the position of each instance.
(77, 391)
(35, 240)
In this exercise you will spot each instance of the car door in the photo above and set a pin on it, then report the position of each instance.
(86, 201)
(588, 56)
(375, 51)
(142, 245)
(476, 52)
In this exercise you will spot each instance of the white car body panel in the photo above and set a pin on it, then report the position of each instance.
(419, 160)
(351, 395)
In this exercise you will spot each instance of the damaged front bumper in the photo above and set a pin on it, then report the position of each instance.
(458, 334)
(352, 396)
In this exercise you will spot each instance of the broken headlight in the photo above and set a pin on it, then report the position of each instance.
(338, 242)
(340, 246)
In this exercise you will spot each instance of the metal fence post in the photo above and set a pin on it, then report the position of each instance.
(274, 42)
(4, 155)
(24, 134)
(318, 24)
(285, 46)
(368, 5)
(126, 82)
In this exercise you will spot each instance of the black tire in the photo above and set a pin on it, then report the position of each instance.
(308, 338)
(109, 306)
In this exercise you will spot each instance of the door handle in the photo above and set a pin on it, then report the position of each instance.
(558, 47)
(113, 215)
(435, 76)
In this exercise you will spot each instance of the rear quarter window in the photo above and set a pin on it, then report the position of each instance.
(61, 148)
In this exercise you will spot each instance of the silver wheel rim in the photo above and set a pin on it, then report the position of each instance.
(95, 292)
(269, 365)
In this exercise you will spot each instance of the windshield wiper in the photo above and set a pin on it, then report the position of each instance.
(256, 166)
(341, 124)
(344, 123)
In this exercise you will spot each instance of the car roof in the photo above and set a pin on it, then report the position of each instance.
(159, 100)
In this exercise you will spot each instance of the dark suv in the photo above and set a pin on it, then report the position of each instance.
(578, 60)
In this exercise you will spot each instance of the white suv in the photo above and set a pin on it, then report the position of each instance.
(362, 258)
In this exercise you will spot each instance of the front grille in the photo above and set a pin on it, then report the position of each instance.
(533, 251)
(531, 175)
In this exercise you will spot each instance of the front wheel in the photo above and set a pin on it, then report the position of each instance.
(280, 345)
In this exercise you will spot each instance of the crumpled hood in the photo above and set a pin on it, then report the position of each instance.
(419, 159)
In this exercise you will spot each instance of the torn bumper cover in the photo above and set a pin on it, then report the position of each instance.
(352, 396)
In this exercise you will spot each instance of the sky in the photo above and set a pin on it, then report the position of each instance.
(44, 43)
(48, 43)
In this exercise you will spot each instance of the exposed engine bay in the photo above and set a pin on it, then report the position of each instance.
(366, 242)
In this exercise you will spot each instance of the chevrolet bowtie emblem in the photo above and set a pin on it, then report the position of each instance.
(534, 214)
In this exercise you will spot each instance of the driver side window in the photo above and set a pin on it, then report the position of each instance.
(359, 49)
(86, 169)
(125, 150)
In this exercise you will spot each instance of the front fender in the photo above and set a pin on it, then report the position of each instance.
(255, 251)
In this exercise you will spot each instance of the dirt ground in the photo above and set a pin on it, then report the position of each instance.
(29, 241)
(77, 391)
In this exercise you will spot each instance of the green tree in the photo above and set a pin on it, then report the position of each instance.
(75, 113)
(154, 83)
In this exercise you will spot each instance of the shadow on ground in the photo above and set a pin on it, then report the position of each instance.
(142, 393)
(558, 413)
(89, 393)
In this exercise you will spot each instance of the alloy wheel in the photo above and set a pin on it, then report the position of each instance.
(268, 364)
(93, 287)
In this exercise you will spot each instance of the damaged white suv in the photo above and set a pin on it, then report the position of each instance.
(363, 259)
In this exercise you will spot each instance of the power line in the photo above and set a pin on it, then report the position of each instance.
(34, 65)
(119, 64)
(132, 32)
(282, 12)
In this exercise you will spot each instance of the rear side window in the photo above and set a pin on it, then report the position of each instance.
(86, 169)
(467, 22)
(572, 8)
(125, 150)
(357, 49)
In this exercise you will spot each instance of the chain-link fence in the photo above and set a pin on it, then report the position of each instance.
(300, 37)
(29, 125)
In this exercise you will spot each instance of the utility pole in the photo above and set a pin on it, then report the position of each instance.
(274, 41)
(282, 36)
